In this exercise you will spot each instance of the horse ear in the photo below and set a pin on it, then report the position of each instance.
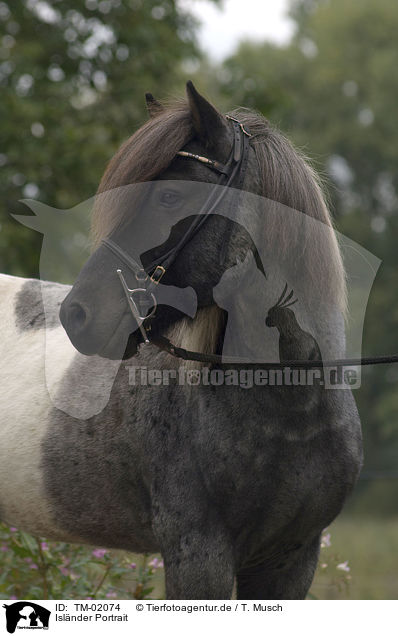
(207, 121)
(154, 107)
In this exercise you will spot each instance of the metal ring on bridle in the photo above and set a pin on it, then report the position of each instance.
(144, 291)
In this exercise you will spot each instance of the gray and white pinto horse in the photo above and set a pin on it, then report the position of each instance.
(225, 482)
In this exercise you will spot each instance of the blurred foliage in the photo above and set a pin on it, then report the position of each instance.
(73, 74)
(34, 568)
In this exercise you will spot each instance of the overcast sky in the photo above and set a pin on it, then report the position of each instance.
(223, 28)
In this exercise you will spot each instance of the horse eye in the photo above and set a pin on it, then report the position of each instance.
(169, 198)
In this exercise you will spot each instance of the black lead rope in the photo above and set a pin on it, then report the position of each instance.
(164, 344)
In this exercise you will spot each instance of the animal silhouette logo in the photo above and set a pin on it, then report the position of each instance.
(294, 342)
(241, 294)
(26, 615)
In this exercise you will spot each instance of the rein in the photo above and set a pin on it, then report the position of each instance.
(164, 344)
(142, 299)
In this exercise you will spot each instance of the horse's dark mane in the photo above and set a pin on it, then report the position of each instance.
(286, 177)
(285, 174)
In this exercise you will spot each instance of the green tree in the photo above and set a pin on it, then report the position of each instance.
(73, 75)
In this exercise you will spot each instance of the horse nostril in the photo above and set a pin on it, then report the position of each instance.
(77, 316)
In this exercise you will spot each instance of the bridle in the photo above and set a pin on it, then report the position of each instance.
(142, 299)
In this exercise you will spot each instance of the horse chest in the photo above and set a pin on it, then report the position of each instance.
(257, 463)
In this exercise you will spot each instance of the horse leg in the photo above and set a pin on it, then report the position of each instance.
(290, 579)
(198, 569)
(198, 557)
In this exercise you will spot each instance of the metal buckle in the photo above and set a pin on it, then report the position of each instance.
(158, 274)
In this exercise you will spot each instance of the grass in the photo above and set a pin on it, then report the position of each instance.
(371, 548)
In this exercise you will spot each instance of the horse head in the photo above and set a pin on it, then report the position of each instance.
(137, 229)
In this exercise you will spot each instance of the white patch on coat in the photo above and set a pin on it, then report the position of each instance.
(25, 408)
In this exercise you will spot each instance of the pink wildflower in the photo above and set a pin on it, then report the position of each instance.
(325, 541)
(99, 553)
(343, 566)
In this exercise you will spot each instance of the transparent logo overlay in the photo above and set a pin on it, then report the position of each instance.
(286, 284)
